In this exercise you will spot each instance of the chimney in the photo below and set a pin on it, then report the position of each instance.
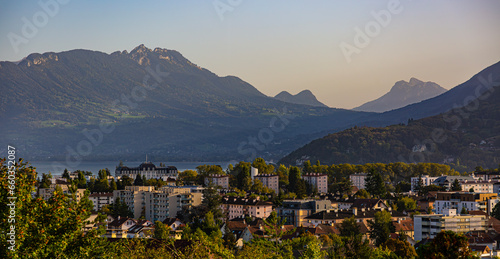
(355, 211)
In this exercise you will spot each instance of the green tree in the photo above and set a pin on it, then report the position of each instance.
(496, 211)
(446, 244)
(45, 183)
(188, 176)
(471, 189)
(138, 180)
(261, 165)
(406, 204)
(44, 229)
(381, 227)
(375, 184)
(66, 174)
(362, 194)
(229, 238)
(301, 189)
(162, 231)
(119, 208)
(212, 201)
(349, 227)
(113, 186)
(294, 178)
(456, 186)
(403, 249)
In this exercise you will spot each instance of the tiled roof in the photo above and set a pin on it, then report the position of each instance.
(101, 194)
(342, 214)
(245, 201)
(170, 221)
(365, 203)
(119, 222)
(477, 212)
(404, 225)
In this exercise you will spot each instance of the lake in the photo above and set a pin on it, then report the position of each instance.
(57, 167)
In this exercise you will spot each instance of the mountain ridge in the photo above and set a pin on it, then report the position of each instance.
(470, 139)
(304, 97)
(402, 94)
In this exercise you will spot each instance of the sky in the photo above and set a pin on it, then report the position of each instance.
(345, 52)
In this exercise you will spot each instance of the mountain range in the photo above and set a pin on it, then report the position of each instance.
(121, 106)
(402, 94)
(156, 101)
(464, 137)
(305, 97)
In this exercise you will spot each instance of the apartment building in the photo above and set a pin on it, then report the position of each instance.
(427, 226)
(319, 181)
(218, 180)
(470, 201)
(167, 202)
(237, 207)
(358, 180)
(295, 211)
(271, 181)
(101, 199)
(478, 186)
(426, 181)
(133, 196)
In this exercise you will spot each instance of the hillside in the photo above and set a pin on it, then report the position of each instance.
(305, 97)
(401, 94)
(467, 136)
(156, 101)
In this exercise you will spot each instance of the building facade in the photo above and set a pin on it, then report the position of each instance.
(237, 207)
(271, 181)
(428, 226)
(218, 180)
(100, 200)
(149, 170)
(426, 181)
(358, 180)
(295, 211)
(464, 200)
(319, 181)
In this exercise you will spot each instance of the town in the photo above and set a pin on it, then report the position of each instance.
(316, 204)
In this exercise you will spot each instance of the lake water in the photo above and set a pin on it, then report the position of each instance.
(57, 167)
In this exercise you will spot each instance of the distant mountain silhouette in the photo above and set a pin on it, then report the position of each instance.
(464, 137)
(305, 97)
(402, 94)
(158, 103)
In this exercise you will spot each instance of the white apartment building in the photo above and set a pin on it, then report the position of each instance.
(478, 186)
(271, 181)
(100, 200)
(166, 202)
(426, 181)
(218, 180)
(320, 181)
(470, 201)
(358, 180)
(429, 225)
(158, 204)
(133, 196)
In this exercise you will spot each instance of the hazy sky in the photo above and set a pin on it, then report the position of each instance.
(277, 45)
